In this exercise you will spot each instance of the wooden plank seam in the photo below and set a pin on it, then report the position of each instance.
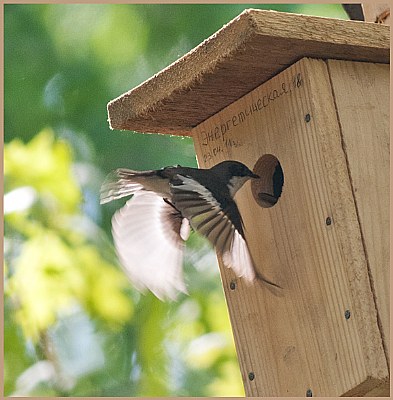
(361, 229)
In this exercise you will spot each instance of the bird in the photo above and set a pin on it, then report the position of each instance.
(150, 230)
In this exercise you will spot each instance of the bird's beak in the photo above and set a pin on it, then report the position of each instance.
(255, 176)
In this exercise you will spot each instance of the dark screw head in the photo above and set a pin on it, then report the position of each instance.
(232, 285)
(309, 393)
(347, 314)
(307, 117)
(328, 221)
(251, 376)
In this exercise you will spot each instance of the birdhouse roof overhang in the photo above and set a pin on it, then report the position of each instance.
(249, 50)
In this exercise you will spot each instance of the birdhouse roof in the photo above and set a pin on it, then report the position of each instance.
(249, 50)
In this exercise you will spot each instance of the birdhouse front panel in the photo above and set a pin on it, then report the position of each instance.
(318, 334)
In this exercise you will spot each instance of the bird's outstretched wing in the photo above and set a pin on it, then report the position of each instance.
(149, 236)
(118, 184)
(221, 224)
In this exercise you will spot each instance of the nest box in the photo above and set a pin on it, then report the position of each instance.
(304, 102)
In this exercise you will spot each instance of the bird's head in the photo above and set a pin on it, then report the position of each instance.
(235, 174)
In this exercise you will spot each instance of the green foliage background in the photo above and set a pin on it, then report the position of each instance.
(74, 326)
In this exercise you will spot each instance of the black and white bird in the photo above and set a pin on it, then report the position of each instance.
(150, 230)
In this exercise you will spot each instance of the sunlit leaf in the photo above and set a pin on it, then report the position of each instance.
(56, 269)
(45, 165)
(104, 293)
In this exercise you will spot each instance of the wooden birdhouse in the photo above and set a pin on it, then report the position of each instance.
(304, 102)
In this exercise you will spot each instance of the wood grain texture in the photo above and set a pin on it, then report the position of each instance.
(246, 52)
(299, 339)
(361, 92)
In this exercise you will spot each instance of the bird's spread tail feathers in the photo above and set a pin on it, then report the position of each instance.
(118, 184)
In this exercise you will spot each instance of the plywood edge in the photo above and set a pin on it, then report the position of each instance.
(246, 52)
(370, 387)
(322, 29)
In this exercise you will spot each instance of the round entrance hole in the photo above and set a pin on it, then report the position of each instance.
(267, 190)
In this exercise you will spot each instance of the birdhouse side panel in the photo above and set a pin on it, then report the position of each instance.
(361, 92)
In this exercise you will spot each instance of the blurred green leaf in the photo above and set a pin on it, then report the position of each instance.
(56, 263)
(52, 268)
(45, 165)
